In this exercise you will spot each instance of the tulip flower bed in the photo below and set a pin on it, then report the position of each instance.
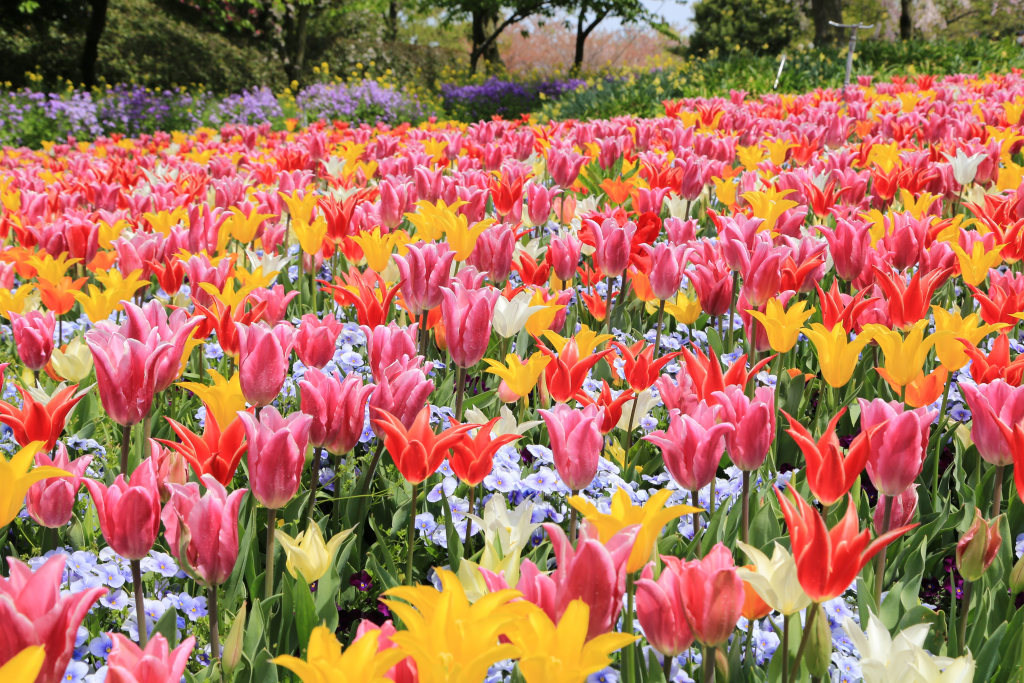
(730, 394)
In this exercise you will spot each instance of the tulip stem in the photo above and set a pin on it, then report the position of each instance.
(269, 582)
(140, 603)
(147, 431)
(336, 512)
(745, 523)
(748, 661)
(880, 563)
(785, 647)
(608, 303)
(298, 280)
(709, 665)
(696, 519)
(629, 432)
(126, 445)
(314, 480)
(732, 311)
(666, 667)
(211, 604)
(997, 491)
(423, 335)
(965, 608)
(460, 389)
(808, 628)
(572, 521)
(657, 335)
(411, 539)
(629, 654)
(938, 445)
(469, 522)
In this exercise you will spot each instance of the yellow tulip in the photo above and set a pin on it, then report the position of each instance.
(227, 296)
(119, 287)
(307, 552)
(520, 378)
(14, 302)
(751, 156)
(783, 326)
(51, 269)
(74, 363)
(98, 304)
(777, 150)
(163, 221)
(725, 190)
(768, 206)
(651, 516)
(432, 220)
(919, 206)
(837, 356)
(310, 235)
(16, 478)
(586, 340)
(243, 228)
(362, 662)
(449, 638)
(774, 580)
(223, 399)
(24, 667)
(884, 156)
(904, 358)
(256, 279)
(685, 308)
(562, 653)
(462, 238)
(975, 266)
(377, 248)
(542, 319)
(300, 206)
(950, 349)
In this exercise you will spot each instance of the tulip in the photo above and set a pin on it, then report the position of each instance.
(995, 408)
(51, 502)
(217, 452)
(402, 392)
(692, 447)
(640, 368)
(276, 454)
(129, 513)
(827, 561)
(977, 549)
(417, 451)
(564, 255)
(538, 203)
(783, 327)
(467, 318)
(901, 513)
(154, 663)
(263, 360)
(564, 166)
(507, 535)
(33, 337)
(41, 417)
(308, 554)
(377, 248)
(206, 528)
(388, 345)
(762, 276)
(848, 246)
(424, 270)
(34, 612)
(565, 374)
(493, 253)
(837, 307)
(898, 451)
(316, 339)
(510, 316)
(405, 670)
(576, 443)
(74, 363)
(774, 580)
(337, 407)
(974, 267)
(879, 651)
(151, 321)
(613, 408)
(126, 373)
(753, 424)
(276, 302)
(612, 245)
(907, 304)
(996, 364)
(667, 265)
(659, 609)
(706, 373)
(829, 474)
(520, 377)
(713, 283)
(472, 458)
(950, 349)
(837, 356)
(26, 665)
(711, 593)
(361, 661)
(904, 358)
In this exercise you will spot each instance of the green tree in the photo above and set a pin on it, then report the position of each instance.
(760, 26)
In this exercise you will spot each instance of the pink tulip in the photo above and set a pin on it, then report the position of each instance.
(611, 245)
(207, 526)
(564, 166)
(263, 354)
(667, 265)
(152, 321)
(678, 394)
(424, 270)
(386, 345)
(679, 232)
(564, 255)
(33, 337)
(50, 502)
(659, 609)
(33, 612)
(156, 664)
(903, 507)
(493, 252)
(403, 672)
(428, 183)
(538, 202)
(199, 270)
(897, 454)
(277, 302)
(337, 407)
(593, 572)
(316, 340)
(711, 279)
(467, 316)
(276, 454)
(129, 513)
(995, 408)
(692, 447)
(576, 442)
(848, 245)
(126, 372)
(763, 275)
(753, 424)
(711, 594)
(403, 392)
(394, 200)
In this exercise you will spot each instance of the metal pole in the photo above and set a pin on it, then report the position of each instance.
(853, 47)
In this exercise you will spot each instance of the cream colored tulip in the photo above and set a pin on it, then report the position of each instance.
(307, 552)
(506, 424)
(506, 534)
(775, 580)
(645, 403)
(903, 659)
(511, 316)
(74, 363)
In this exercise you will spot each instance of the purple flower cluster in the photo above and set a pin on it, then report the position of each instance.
(250, 107)
(364, 102)
(506, 98)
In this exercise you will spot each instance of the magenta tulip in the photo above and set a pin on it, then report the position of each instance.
(152, 322)
(611, 245)
(51, 502)
(753, 424)
(667, 266)
(467, 316)
(762, 276)
(155, 664)
(33, 337)
(493, 252)
(564, 255)
(711, 594)
(424, 270)
(276, 454)
(207, 526)
(898, 451)
(263, 354)
(564, 166)
(538, 202)
(659, 609)
(277, 302)
(692, 447)
(129, 513)
(993, 406)
(338, 408)
(576, 442)
(316, 340)
(126, 372)
(33, 612)
(386, 345)
(848, 245)
(403, 392)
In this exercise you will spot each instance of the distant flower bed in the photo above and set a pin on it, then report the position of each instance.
(506, 98)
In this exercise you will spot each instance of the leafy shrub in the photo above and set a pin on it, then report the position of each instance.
(766, 26)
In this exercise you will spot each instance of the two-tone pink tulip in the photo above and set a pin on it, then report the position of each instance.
(467, 316)
(263, 353)
(33, 338)
(576, 442)
(425, 269)
(51, 502)
(206, 528)
(317, 339)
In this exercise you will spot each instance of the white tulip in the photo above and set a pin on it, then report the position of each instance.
(775, 580)
(511, 316)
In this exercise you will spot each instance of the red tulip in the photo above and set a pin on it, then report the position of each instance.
(707, 376)
(612, 408)
(641, 370)
(995, 365)
(169, 275)
(38, 421)
(837, 307)
(217, 452)
(206, 528)
(829, 474)
(417, 451)
(908, 304)
(472, 458)
(370, 310)
(711, 593)
(566, 372)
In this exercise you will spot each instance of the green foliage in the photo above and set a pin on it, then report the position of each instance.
(766, 26)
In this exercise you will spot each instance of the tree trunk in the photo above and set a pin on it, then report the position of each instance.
(93, 33)
(392, 33)
(905, 25)
(491, 54)
(824, 11)
(478, 39)
(295, 44)
(300, 42)
(581, 38)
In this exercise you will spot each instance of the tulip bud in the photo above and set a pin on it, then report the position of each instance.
(721, 664)
(819, 645)
(978, 547)
(232, 654)
(1017, 577)
(506, 394)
